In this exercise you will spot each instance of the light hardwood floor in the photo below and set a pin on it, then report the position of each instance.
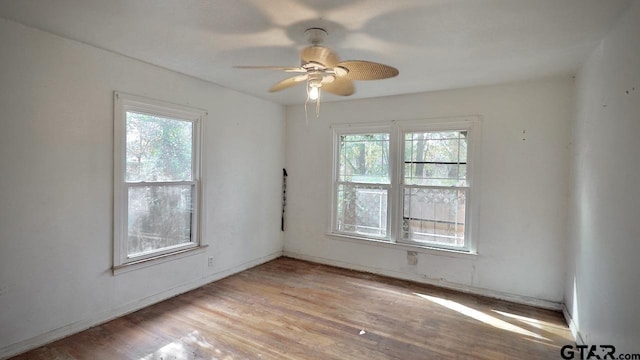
(291, 309)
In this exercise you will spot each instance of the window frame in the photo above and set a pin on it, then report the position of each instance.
(397, 130)
(124, 103)
(451, 125)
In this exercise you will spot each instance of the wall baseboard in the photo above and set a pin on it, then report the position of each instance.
(525, 300)
(572, 326)
(103, 317)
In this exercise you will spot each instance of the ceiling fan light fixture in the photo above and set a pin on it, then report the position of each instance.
(313, 86)
(314, 92)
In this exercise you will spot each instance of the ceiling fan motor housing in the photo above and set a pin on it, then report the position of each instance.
(316, 36)
(315, 79)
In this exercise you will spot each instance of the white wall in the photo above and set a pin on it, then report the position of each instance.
(523, 196)
(602, 286)
(56, 185)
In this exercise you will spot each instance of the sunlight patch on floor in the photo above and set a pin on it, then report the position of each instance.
(174, 350)
(542, 325)
(480, 316)
(177, 350)
(543, 343)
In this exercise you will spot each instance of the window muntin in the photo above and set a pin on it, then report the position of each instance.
(425, 183)
(362, 185)
(157, 179)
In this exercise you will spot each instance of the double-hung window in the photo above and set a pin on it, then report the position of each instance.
(435, 187)
(407, 182)
(363, 181)
(157, 187)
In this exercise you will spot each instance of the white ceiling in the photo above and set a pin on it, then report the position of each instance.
(436, 44)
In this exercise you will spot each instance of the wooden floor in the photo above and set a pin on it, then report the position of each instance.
(291, 309)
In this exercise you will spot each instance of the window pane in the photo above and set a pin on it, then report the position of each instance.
(364, 158)
(435, 158)
(434, 216)
(362, 210)
(159, 217)
(158, 148)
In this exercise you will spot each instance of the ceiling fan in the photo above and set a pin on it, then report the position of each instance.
(321, 68)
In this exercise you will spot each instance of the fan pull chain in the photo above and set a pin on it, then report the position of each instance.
(306, 115)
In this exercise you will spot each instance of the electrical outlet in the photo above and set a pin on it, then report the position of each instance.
(412, 258)
(210, 261)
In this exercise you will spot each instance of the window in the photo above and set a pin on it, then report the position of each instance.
(434, 187)
(406, 183)
(363, 184)
(157, 175)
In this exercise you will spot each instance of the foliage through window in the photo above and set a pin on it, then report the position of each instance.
(405, 183)
(157, 178)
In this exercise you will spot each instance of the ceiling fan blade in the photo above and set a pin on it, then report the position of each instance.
(319, 54)
(283, 68)
(340, 86)
(286, 83)
(367, 70)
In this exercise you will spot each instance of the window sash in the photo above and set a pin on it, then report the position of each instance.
(405, 234)
(432, 152)
(384, 174)
(384, 227)
(147, 128)
(193, 223)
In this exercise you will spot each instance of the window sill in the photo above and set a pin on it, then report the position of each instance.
(403, 246)
(143, 263)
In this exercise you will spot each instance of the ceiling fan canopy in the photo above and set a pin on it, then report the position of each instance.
(321, 68)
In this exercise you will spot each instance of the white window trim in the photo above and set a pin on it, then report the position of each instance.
(126, 102)
(397, 128)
